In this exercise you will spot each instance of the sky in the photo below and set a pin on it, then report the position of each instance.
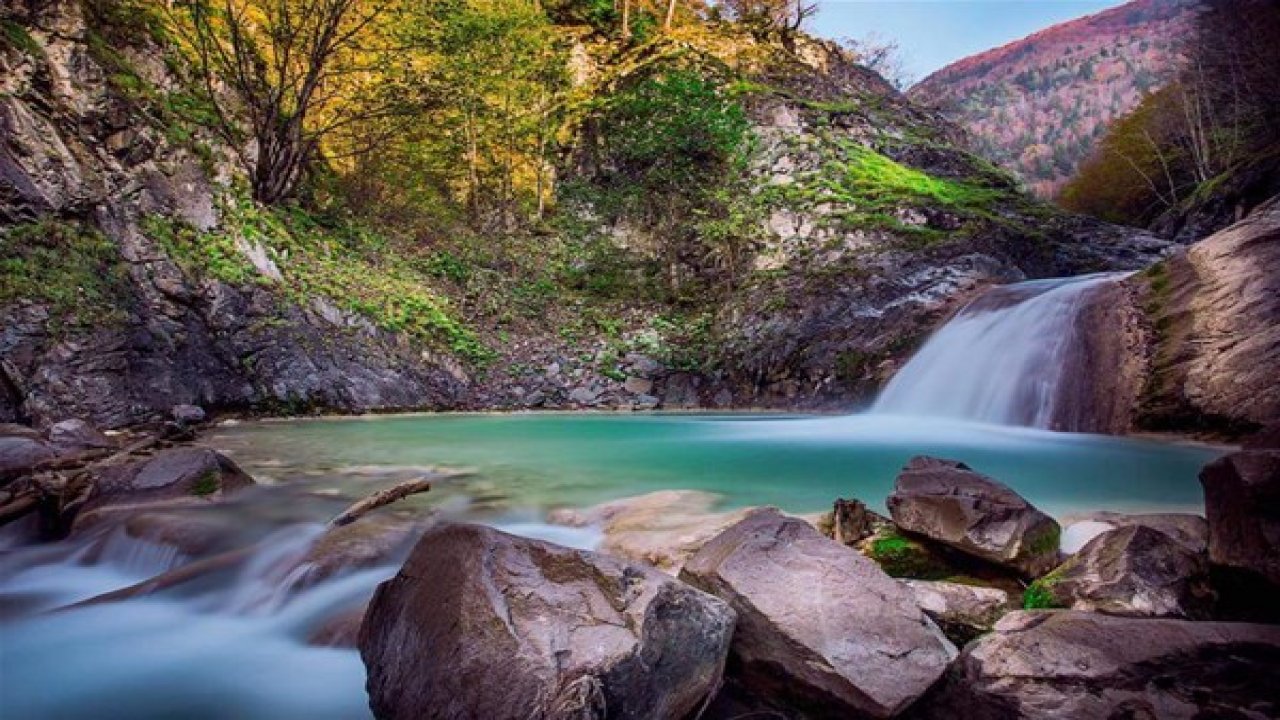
(934, 33)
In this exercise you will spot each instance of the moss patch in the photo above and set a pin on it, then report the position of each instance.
(901, 556)
(1039, 595)
(345, 263)
(16, 36)
(1046, 542)
(67, 265)
(207, 484)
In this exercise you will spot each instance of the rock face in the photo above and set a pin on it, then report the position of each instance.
(74, 150)
(947, 502)
(1242, 501)
(820, 627)
(962, 611)
(1067, 664)
(1132, 571)
(1214, 317)
(481, 624)
(176, 476)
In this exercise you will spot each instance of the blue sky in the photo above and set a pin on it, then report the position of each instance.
(933, 33)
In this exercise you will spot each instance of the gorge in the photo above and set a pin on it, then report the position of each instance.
(655, 361)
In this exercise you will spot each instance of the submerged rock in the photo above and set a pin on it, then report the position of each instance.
(1079, 665)
(947, 502)
(820, 627)
(1130, 571)
(660, 528)
(481, 624)
(962, 611)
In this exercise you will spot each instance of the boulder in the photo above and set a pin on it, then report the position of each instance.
(1242, 502)
(1131, 570)
(820, 628)
(852, 522)
(947, 502)
(174, 477)
(962, 611)
(1079, 665)
(482, 624)
(188, 414)
(18, 454)
(75, 435)
(374, 540)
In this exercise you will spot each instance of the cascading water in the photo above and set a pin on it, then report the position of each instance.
(1001, 360)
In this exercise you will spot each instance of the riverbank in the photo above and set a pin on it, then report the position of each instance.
(295, 591)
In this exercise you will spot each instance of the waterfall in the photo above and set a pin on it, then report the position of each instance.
(1001, 360)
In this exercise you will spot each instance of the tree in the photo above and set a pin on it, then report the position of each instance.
(785, 16)
(882, 56)
(293, 69)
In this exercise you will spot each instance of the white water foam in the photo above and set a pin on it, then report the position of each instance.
(1000, 360)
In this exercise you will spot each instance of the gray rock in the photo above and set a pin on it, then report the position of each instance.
(638, 385)
(188, 414)
(1085, 666)
(962, 611)
(1191, 531)
(584, 396)
(1242, 502)
(852, 522)
(174, 477)
(644, 402)
(75, 434)
(481, 624)
(19, 454)
(947, 502)
(819, 626)
(1133, 571)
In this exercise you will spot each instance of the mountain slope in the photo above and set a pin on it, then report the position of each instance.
(1037, 106)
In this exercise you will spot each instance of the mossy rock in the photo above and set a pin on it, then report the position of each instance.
(905, 557)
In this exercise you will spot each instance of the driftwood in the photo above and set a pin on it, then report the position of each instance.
(68, 491)
(379, 499)
(231, 558)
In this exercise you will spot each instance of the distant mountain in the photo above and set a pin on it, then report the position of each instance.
(1037, 106)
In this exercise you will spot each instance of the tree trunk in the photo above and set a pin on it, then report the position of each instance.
(671, 15)
(626, 19)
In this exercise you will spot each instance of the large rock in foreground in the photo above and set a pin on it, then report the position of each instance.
(481, 624)
(1242, 502)
(1133, 570)
(1078, 665)
(820, 628)
(946, 501)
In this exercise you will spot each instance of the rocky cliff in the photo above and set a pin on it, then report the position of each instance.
(1193, 344)
(137, 277)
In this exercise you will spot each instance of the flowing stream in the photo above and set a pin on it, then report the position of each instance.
(241, 643)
